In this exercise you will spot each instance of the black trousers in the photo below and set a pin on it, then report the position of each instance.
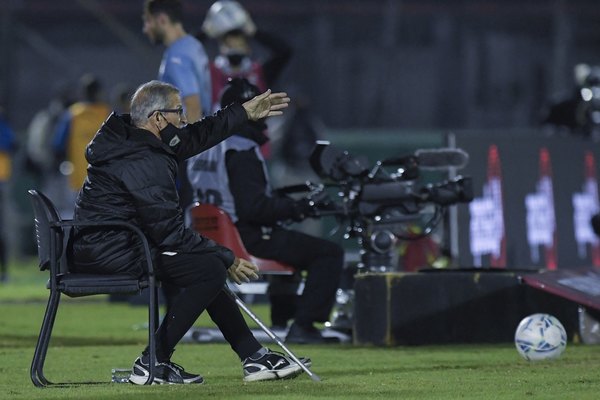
(320, 258)
(193, 283)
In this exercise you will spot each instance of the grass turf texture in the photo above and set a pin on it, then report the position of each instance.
(93, 336)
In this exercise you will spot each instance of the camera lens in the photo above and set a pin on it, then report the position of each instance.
(382, 241)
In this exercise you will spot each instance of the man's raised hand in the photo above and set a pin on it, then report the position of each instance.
(266, 105)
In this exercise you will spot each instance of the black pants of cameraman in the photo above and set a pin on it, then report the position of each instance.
(322, 260)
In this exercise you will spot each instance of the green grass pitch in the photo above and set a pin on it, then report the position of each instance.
(92, 336)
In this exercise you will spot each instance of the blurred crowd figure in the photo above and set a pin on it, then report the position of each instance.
(578, 112)
(75, 129)
(422, 252)
(41, 131)
(121, 98)
(41, 160)
(232, 27)
(300, 130)
(58, 134)
(7, 148)
(229, 24)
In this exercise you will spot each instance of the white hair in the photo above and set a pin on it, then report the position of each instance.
(151, 96)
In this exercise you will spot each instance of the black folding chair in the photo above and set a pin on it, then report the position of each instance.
(50, 232)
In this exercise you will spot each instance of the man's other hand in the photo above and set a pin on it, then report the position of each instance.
(242, 271)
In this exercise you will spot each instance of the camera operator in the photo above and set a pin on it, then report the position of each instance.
(577, 112)
(233, 176)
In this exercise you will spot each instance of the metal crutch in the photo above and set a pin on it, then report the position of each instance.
(270, 333)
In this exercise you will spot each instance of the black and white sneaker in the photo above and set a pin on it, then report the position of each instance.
(165, 373)
(270, 366)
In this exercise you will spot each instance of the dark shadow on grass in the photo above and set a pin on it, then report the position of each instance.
(396, 369)
(15, 341)
(63, 385)
(44, 300)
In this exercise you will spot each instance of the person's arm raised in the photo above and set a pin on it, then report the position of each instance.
(209, 131)
(266, 104)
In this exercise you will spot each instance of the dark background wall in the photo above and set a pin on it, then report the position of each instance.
(414, 64)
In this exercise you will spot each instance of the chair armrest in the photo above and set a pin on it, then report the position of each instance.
(107, 224)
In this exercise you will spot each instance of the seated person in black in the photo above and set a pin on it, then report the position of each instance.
(233, 176)
(131, 178)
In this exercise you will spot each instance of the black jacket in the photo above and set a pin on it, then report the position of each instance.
(254, 205)
(131, 177)
(248, 184)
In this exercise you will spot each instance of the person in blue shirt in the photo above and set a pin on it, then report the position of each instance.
(7, 144)
(184, 65)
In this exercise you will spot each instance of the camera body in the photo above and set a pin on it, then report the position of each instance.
(379, 203)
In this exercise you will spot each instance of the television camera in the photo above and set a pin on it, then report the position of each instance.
(379, 204)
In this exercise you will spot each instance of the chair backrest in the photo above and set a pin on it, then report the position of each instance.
(215, 224)
(49, 238)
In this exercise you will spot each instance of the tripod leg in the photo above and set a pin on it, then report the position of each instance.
(270, 333)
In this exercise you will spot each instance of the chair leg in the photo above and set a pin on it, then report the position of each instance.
(270, 333)
(41, 348)
(152, 327)
(55, 298)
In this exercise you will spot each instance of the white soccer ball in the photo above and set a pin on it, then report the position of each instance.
(540, 337)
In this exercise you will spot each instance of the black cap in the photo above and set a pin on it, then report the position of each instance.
(238, 90)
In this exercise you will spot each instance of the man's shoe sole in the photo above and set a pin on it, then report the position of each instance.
(141, 380)
(286, 373)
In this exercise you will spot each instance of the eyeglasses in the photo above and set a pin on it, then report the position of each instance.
(178, 110)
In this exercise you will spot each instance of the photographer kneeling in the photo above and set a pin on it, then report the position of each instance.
(234, 174)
